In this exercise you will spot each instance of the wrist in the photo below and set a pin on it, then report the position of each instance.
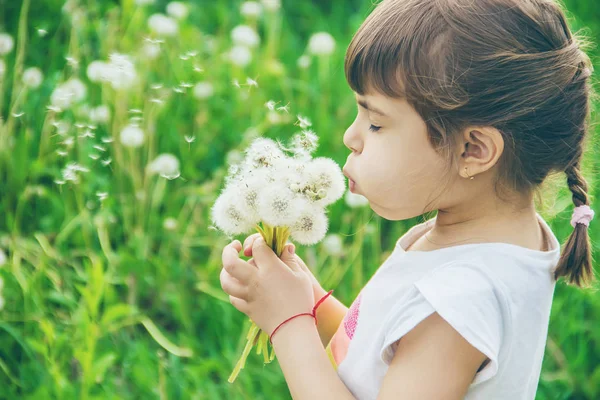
(289, 331)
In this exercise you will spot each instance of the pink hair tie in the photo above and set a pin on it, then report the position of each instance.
(582, 215)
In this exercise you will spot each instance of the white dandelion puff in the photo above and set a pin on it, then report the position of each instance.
(100, 114)
(162, 25)
(325, 181)
(333, 245)
(6, 43)
(240, 56)
(164, 164)
(150, 50)
(303, 61)
(170, 224)
(132, 136)
(244, 35)
(228, 217)
(251, 9)
(42, 32)
(177, 10)
(33, 77)
(305, 143)
(311, 227)
(278, 206)
(321, 44)
(271, 5)
(203, 90)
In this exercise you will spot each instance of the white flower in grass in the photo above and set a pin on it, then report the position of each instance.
(311, 227)
(121, 72)
(271, 5)
(33, 77)
(6, 43)
(100, 114)
(151, 50)
(162, 25)
(245, 36)
(240, 56)
(251, 9)
(203, 90)
(304, 61)
(97, 71)
(132, 136)
(3, 258)
(228, 216)
(354, 200)
(164, 164)
(68, 93)
(170, 224)
(2, 68)
(178, 10)
(321, 44)
(333, 244)
(325, 182)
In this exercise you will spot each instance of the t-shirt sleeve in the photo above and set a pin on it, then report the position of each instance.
(465, 297)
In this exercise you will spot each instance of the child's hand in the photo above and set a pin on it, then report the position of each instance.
(267, 289)
(318, 290)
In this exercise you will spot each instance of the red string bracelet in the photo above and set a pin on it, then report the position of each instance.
(312, 314)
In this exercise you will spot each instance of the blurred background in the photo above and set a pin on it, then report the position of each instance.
(119, 122)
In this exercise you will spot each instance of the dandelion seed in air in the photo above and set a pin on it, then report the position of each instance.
(270, 105)
(42, 32)
(285, 108)
(102, 195)
(251, 82)
(99, 148)
(62, 153)
(107, 140)
(303, 122)
(106, 162)
(94, 156)
(55, 109)
(190, 140)
(18, 115)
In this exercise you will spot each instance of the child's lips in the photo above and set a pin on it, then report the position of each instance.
(351, 182)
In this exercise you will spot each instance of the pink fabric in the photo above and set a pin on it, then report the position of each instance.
(351, 318)
(582, 215)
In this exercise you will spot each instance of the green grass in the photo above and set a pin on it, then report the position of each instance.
(102, 301)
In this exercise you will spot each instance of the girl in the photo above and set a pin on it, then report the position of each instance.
(464, 107)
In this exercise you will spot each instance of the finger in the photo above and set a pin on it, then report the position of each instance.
(230, 253)
(232, 286)
(263, 254)
(240, 270)
(240, 304)
(248, 244)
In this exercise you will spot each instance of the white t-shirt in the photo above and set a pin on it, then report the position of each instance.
(498, 296)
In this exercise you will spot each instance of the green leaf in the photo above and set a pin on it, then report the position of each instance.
(163, 341)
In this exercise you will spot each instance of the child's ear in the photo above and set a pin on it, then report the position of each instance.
(482, 147)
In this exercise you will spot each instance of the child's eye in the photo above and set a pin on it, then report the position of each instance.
(374, 128)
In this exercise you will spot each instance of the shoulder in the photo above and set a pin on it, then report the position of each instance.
(432, 361)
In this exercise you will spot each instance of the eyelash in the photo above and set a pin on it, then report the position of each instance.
(374, 128)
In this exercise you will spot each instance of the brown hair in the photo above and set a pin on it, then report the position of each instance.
(510, 64)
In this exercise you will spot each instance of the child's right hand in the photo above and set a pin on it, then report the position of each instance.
(318, 291)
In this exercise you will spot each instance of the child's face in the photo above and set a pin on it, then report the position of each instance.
(395, 168)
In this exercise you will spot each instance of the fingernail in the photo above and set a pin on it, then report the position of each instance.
(291, 249)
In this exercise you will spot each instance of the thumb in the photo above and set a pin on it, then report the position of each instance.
(288, 256)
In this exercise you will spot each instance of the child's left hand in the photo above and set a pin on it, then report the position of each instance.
(267, 289)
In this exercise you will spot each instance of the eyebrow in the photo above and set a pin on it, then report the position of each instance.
(365, 105)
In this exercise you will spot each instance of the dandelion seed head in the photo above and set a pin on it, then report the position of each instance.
(263, 152)
(162, 25)
(100, 114)
(132, 136)
(6, 43)
(321, 44)
(33, 77)
(227, 216)
(240, 56)
(333, 244)
(97, 70)
(303, 122)
(177, 10)
(305, 143)
(271, 5)
(244, 35)
(120, 73)
(170, 224)
(251, 9)
(150, 50)
(310, 227)
(278, 206)
(68, 93)
(303, 61)
(164, 164)
(325, 181)
(203, 90)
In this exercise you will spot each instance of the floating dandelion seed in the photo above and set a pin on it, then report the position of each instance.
(18, 115)
(186, 84)
(135, 111)
(156, 86)
(236, 83)
(87, 134)
(171, 177)
(303, 122)
(107, 140)
(178, 90)
(251, 82)
(62, 153)
(190, 140)
(285, 108)
(55, 109)
(198, 68)
(60, 182)
(94, 156)
(102, 195)
(79, 125)
(42, 32)
(73, 62)
(99, 148)
(106, 162)
(156, 101)
(270, 105)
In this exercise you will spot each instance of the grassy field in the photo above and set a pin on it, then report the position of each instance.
(109, 267)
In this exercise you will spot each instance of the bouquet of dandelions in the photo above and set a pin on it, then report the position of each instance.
(280, 195)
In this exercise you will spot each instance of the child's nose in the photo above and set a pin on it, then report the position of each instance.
(352, 138)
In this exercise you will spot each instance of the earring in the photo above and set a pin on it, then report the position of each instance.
(470, 177)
